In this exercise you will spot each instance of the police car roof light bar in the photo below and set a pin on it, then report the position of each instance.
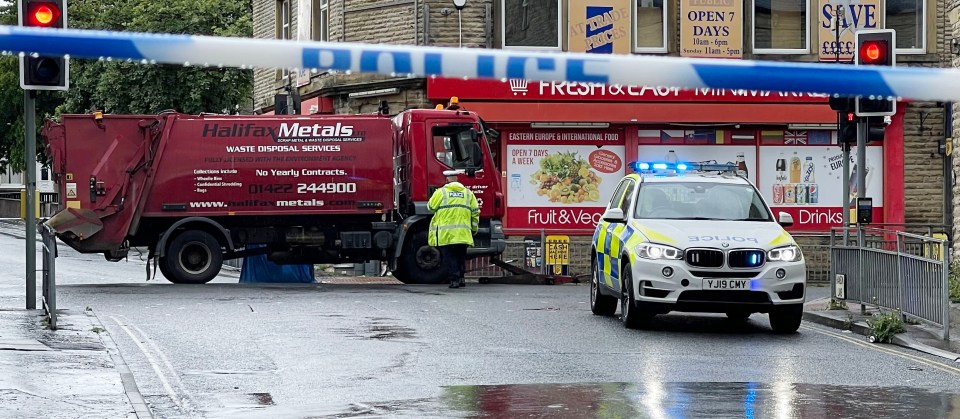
(662, 168)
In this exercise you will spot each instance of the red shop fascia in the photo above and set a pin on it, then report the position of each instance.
(788, 141)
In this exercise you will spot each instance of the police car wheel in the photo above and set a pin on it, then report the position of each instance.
(601, 305)
(786, 319)
(738, 316)
(633, 317)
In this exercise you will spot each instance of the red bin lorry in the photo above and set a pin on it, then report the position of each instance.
(198, 189)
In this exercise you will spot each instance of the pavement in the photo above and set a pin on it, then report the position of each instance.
(917, 336)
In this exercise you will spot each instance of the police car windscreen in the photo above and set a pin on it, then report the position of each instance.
(700, 201)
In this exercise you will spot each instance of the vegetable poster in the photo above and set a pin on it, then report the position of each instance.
(561, 180)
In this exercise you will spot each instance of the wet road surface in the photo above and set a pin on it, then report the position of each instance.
(231, 350)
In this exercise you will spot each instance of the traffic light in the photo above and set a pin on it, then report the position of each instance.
(876, 47)
(841, 104)
(847, 128)
(43, 72)
(875, 128)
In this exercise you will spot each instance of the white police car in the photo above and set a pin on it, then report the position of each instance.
(697, 238)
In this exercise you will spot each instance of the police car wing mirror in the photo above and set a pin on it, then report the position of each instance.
(614, 215)
(785, 219)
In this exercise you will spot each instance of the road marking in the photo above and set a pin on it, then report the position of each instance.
(876, 347)
(153, 363)
(166, 361)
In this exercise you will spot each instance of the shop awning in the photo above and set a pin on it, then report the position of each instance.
(749, 113)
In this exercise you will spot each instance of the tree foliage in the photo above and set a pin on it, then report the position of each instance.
(133, 88)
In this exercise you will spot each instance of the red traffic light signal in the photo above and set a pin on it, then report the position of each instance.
(876, 47)
(874, 52)
(42, 14)
(44, 72)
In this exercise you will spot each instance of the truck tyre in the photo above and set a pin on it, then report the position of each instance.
(419, 262)
(193, 257)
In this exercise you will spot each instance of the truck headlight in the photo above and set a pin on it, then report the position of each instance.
(658, 251)
(785, 254)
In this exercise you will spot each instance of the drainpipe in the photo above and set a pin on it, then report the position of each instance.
(343, 20)
(948, 169)
(416, 22)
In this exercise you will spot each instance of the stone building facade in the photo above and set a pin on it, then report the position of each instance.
(925, 28)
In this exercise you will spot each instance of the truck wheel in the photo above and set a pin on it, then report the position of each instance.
(193, 257)
(419, 262)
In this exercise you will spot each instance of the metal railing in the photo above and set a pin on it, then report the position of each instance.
(530, 254)
(895, 270)
(49, 291)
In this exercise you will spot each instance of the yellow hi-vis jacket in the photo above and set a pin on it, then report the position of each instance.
(456, 215)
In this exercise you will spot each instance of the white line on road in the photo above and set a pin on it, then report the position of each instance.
(153, 363)
(876, 347)
(166, 361)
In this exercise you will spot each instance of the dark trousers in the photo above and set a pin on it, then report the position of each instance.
(455, 259)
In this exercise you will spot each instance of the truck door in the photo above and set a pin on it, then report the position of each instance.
(460, 146)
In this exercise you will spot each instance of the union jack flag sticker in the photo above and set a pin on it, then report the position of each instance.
(795, 137)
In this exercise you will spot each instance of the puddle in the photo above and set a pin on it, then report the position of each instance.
(683, 400)
(667, 400)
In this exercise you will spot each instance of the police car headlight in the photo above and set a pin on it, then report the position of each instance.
(785, 254)
(658, 251)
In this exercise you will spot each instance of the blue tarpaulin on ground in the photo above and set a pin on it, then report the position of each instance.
(260, 269)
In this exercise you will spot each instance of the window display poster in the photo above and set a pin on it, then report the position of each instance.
(599, 28)
(702, 154)
(807, 182)
(561, 180)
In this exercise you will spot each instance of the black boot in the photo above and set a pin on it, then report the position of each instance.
(454, 284)
(463, 283)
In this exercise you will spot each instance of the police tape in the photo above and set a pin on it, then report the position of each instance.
(419, 61)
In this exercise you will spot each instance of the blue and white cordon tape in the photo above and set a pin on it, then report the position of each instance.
(906, 82)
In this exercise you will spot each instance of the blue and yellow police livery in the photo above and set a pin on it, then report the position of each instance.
(695, 238)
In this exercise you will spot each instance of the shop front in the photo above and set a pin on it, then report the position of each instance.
(563, 147)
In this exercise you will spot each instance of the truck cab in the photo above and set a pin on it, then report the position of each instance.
(451, 139)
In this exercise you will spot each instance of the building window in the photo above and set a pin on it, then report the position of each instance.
(781, 27)
(530, 24)
(320, 21)
(283, 29)
(283, 19)
(909, 19)
(651, 34)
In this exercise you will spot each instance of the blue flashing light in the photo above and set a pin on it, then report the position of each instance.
(661, 169)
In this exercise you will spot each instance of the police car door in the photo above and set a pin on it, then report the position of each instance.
(613, 236)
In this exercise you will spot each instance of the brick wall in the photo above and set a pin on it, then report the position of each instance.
(264, 26)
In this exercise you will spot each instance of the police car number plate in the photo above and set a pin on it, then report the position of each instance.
(726, 284)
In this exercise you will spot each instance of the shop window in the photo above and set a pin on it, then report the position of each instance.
(530, 24)
(651, 30)
(457, 147)
(781, 26)
(908, 18)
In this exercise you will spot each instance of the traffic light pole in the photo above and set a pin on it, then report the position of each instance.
(30, 182)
